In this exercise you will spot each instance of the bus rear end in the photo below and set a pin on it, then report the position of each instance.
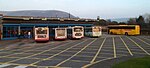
(60, 33)
(137, 30)
(96, 31)
(132, 30)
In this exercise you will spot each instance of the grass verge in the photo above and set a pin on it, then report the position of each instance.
(143, 62)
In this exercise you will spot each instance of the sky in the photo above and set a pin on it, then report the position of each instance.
(105, 9)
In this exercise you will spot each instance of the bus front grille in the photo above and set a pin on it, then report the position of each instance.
(41, 36)
(78, 34)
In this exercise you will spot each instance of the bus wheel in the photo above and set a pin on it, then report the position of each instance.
(111, 32)
(126, 33)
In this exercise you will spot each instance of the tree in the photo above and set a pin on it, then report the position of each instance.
(132, 21)
(103, 22)
(122, 23)
(113, 23)
(108, 20)
(147, 20)
(141, 22)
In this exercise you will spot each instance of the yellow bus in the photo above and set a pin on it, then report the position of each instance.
(124, 29)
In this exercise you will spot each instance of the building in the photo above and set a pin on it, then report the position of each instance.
(1, 26)
(13, 27)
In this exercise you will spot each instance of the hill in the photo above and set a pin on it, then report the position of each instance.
(40, 13)
(120, 19)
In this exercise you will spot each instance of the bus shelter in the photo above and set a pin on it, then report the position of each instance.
(19, 27)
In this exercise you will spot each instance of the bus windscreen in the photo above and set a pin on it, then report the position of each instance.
(39, 31)
(96, 29)
(78, 30)
(60, 32)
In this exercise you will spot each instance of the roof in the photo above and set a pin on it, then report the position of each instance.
(46, 18)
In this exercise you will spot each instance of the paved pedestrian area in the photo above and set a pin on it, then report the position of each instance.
(73, 53)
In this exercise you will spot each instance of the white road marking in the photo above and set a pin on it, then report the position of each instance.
(4, 65)
(20, 67)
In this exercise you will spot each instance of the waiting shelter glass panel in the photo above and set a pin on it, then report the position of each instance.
(10, 31)
(24, 32)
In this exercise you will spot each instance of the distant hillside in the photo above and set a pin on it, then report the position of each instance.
(40, 13)
(120, 19)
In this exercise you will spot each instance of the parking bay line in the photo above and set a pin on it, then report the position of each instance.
(121, 49)
(17, 49)
(138, 45)
(122, 55)
(68, 55)
(98, 51)
(14, 64)
(4, 65)
(146, 38)
(106, 50)
(23, 51)
(107, 53)
(126, 46)
(142, 41)
(138, 53)
(79, 61)
(21, 57)
(114, 46)
(38, 53)
(20, 67)
(58, 53)
(108, 47)
(35, 48)
(75, 54)
(88, 65)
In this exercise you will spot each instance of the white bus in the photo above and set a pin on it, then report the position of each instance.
(41, 34)
(60, 33)
(76, 32)
(94, 31)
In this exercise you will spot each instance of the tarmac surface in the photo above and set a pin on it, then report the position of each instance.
(85, 53)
